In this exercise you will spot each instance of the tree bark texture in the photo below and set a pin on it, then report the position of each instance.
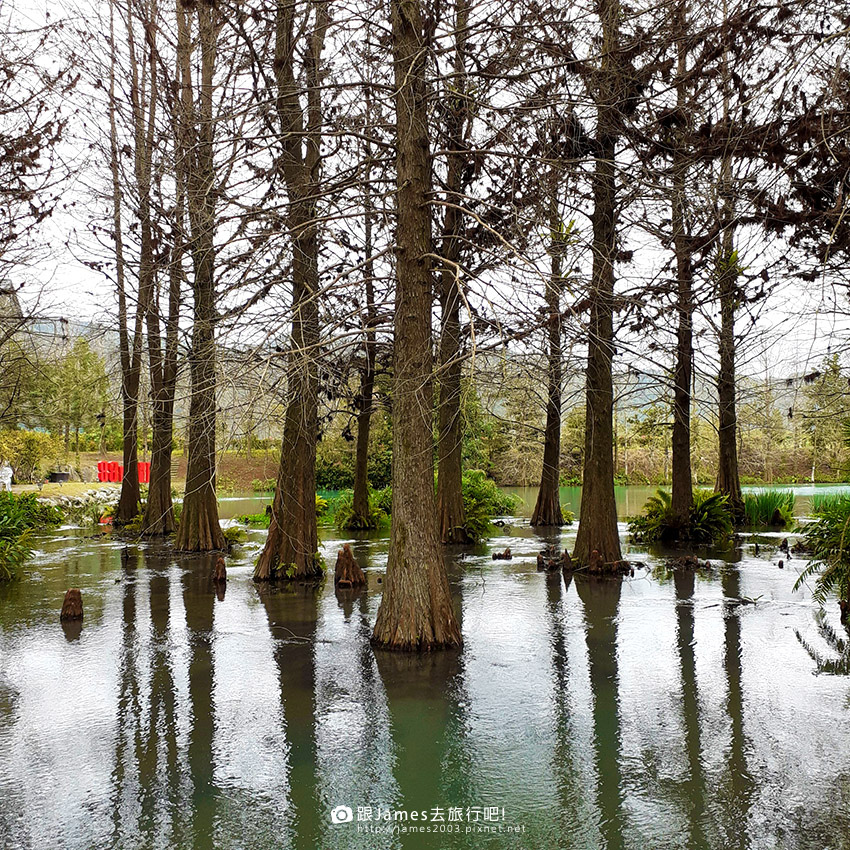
(598, 520)
(682, 491)
(291, 549)
(199, 529)
(450, 509)
(547, 509)
(416, 611)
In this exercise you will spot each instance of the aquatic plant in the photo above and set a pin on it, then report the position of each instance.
(826, 501)
(828, 538)
(769, 508)
(708, 522)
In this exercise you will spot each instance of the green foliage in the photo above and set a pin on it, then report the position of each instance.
(263, 485)
(483, 500)
(569, 516)
(827, 502)
(828, 538)
(769, 508)
(345, 519)
(334, 463)
(26, 512)
(19, 516)
(708, 522)
(382, 499)
(89, 513)
(134, 526)
(262, 520)
(234, 535)
(14, 553)
(72, 391)
(225, 483)
(29, 452)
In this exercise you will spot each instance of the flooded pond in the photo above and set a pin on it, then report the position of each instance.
(668, 711)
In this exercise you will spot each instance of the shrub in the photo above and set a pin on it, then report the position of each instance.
(828, 538)
(234, 535)
(19, 516)
(483, 500)
(769, 508)
(383, 499)
(262, 520)
(708, 522)
(345, 519)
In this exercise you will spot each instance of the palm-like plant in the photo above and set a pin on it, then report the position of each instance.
(708, 520)
(829, 540)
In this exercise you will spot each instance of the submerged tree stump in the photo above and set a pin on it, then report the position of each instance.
(548, 560)
(348, 573)
(503, 556)
(220, 573)
(566, 561)
(72, 605)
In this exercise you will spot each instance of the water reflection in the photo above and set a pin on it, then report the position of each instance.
(675, 712)
(738, 788)
(291, 613)
(601, 599)
(694, 798)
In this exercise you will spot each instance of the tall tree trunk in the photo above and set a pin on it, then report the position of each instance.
(159, 511)
(598, 521)
(199, 529)
(450, 445)
(416, 611)
(130, 351)
(728, 479)
(547, 510)
(682, 495)
(361, 517)
(291, 549)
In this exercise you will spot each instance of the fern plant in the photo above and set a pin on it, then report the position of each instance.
(708, 520)
(828, 538)
(345, 518)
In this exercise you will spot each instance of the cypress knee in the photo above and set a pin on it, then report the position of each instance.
(72, 605)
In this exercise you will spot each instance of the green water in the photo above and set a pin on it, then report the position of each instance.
(630, 499)
(648, 714)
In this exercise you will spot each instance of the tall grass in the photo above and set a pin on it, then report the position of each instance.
(827, 502)
(769, 508)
